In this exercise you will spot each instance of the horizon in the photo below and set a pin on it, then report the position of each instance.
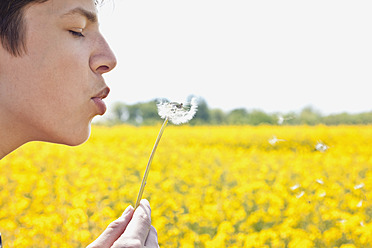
(242, 107)
(110, 115)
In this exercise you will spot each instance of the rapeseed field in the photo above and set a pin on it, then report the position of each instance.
(210, 186)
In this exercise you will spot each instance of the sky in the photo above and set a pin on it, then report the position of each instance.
(270, 55)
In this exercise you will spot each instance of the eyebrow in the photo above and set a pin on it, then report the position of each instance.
(91, 16)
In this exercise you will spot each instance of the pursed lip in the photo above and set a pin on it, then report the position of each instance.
(103, 93)
(98, 100)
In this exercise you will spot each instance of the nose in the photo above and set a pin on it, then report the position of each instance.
(102, 59)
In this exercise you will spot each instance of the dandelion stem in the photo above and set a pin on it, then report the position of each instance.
(144, 179)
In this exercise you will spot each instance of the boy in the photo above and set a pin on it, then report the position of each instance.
(52, 58)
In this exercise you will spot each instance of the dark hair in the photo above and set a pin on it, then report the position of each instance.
(12, 26)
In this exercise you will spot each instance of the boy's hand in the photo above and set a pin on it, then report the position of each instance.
(131, 230)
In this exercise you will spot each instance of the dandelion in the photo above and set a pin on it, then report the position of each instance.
(274, 140)
(294, 187)
(360, 203)
(177, 114)
(321, 147)
(359, 186)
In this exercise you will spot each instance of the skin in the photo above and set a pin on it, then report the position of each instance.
(45, 95)
(49, 94)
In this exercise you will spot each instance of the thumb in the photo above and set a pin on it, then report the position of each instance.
(114, 230)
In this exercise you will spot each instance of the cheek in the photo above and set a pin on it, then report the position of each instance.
(60, 79)
(60, 64)
(51, 94)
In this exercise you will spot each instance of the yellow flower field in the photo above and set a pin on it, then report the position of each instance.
(208, 187)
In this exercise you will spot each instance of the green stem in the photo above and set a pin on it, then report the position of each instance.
(144, 179)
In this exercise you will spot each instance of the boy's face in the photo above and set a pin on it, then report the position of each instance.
(53, 91)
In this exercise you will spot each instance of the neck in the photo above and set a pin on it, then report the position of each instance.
(12, 136)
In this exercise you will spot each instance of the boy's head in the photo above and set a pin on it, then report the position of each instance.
(53, 57)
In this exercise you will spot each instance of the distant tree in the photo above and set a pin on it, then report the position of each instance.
(238, 117)
(291, 118)
(120, 112)
(336, 119)
(310, 116)
(257, 117)
(149, 112)
(134, 115)
(202, 116)
(146, 113)
(218, 117)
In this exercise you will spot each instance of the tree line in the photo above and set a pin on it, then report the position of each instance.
(146, 113)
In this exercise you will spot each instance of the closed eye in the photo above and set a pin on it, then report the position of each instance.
(76, 34)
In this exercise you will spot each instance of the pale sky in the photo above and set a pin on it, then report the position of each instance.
(272, 55)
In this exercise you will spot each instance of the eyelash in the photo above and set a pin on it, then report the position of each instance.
(76, 34)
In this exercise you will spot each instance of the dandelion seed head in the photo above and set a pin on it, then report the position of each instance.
(178, 113)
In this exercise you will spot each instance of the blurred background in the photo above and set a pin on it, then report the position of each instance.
(272, 56)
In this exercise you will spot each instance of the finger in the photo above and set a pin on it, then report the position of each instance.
(114, 230)
(138, 228)
(152, 239)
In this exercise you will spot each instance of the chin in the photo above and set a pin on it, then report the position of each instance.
(71, 137)
(78, 139)
(74, 142)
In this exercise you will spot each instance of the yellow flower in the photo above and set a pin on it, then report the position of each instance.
(210, 186)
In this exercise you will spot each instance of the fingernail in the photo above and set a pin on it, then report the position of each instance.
(128, 209)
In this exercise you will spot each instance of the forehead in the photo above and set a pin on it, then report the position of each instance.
(66, 8)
